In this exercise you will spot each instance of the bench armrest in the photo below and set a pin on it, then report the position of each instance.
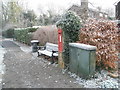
(54, 51)
(41, 47)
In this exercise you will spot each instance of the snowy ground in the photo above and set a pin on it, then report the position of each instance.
(2, 66)
(23, 70)
(23, 47)
(101, 80)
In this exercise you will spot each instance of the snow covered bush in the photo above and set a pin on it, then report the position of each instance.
(24, 35)
(70, 24)
(102, 34)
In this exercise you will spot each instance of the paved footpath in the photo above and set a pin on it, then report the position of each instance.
(24, 70)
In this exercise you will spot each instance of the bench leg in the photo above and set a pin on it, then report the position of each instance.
(52, 61)
(38, 54)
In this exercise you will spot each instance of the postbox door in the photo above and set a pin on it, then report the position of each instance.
(60, 43)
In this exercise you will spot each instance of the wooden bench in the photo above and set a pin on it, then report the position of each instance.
(49, 49)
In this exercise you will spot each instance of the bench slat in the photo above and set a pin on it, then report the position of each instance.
(48, 50)
(45, 52)
(55, 54)
(51, 47)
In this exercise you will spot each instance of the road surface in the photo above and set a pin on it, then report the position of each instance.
(24, 70)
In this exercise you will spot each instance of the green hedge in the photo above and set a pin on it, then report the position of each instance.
(8, 33)
(24, 35)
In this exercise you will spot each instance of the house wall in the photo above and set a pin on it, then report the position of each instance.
(118, 11)
(84, 12)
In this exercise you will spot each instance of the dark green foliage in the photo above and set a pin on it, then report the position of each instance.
(49, 19)
(30, 16)
(24, 35)
(8, 33)
(70, 24)
(32, 29)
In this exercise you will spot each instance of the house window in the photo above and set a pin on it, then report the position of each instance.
(100, 14)
(106, 16)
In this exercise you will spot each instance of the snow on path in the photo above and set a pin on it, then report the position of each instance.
(2, 66)
(23, 47)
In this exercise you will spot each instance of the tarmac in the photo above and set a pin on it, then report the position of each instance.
(25, 70)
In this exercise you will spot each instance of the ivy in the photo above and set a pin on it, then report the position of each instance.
(70, 24)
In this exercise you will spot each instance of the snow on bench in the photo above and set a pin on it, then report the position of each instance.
(49, 49)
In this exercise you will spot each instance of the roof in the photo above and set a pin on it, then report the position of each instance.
(118, 1)
(73, 7)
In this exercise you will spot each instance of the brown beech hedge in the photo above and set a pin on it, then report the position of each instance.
(102, 34)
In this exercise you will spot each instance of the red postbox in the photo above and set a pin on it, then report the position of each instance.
(60, 44)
